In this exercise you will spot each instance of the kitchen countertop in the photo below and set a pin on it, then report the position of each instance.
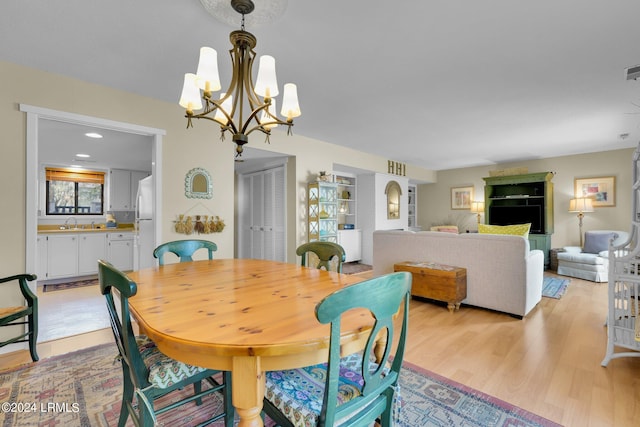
(100, 228)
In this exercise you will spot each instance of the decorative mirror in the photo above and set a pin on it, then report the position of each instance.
(393, 192)
(198, 184)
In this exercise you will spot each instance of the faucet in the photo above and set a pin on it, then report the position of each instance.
(93, 225)
(75, 222)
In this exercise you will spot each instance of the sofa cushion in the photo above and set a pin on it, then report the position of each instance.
(597, 241)
(515, 229)
(582, 258)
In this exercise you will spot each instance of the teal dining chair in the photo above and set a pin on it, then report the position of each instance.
(324, 251)
(358, 389)
(147, 373)
(184, 249)
(22, 315)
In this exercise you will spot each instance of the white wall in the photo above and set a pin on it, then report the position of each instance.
(372, 208)
(183, 149)
(434, 200)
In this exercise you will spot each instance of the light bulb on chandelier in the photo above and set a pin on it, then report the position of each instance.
(228, 110)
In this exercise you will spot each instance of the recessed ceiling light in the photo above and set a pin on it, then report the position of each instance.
(93, 135)
(82, 155)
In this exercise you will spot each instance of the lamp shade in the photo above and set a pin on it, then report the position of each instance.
(267, 82)
(290, 107)
(190, 97)
(581, 205)
(477, 207)
(266, 118)
(207, 74)
(227, 104)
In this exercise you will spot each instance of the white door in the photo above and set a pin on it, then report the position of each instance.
(262, 199)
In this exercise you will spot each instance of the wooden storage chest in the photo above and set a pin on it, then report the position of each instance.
(437, 282)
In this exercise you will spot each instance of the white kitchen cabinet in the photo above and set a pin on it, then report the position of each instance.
(120, 190)
(62, 255)
(91, 248)
(120, 252)
(123, 188)
(351, 242)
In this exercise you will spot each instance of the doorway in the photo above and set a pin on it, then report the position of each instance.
(35, 118)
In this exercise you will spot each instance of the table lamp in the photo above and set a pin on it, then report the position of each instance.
(477, 207)
(580, 205)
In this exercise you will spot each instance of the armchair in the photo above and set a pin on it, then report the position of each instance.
(12, 316)
(590, 262)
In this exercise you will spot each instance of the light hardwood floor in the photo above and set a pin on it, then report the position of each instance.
(548, 363)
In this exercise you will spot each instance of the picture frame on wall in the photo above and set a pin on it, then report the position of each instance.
(601, 190)
(461, 197)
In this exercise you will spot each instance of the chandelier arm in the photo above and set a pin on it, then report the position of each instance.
(224, 127)
(253, 115)
(217, 106)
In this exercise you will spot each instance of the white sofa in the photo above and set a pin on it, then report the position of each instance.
(502, 273)
(592, 261)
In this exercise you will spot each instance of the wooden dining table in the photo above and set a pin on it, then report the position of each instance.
(246, 316)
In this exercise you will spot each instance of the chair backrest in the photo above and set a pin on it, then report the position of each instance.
(385, 297)
(111, 278)
(184, 249)
(325, 251)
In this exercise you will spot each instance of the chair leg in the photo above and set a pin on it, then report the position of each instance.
(145, 412)
(197, 388)
(229, 410)
(127, 398)
(33, 336)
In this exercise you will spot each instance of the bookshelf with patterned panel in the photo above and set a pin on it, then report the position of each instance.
(323, 211)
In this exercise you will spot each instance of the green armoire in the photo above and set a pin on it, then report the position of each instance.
(518, 199)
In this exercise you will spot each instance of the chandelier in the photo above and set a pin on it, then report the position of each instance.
(244, 107)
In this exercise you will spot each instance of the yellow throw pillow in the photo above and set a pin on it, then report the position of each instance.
(515, 229)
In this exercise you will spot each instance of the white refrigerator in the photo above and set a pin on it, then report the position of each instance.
(144, 242)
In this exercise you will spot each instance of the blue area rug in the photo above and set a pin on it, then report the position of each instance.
(554, 287)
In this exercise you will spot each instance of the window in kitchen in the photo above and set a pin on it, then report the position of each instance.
(74, 192)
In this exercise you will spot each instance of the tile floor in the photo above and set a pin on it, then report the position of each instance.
(71, 312)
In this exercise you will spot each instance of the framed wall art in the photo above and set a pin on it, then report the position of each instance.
(601, 190)
(461, 197)
(198, 184)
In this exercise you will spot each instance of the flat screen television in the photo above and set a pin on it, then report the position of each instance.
(519, 214)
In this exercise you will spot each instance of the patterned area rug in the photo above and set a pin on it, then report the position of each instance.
(84, 388)
(554, 287)
(50, 287)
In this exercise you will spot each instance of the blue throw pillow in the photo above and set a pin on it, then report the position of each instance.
(597, 241)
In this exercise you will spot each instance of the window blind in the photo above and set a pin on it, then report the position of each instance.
(74, 175)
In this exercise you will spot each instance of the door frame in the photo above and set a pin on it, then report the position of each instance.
(34, 114)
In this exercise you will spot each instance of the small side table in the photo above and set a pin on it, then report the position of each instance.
(437, 282)
(553, 258)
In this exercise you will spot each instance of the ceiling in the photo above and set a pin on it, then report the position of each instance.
(439, 84)
(59, 144)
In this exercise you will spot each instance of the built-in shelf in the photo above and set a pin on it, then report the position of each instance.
(521, 199)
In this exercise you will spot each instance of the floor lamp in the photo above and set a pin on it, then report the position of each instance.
(477, 207)
(580, 206)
